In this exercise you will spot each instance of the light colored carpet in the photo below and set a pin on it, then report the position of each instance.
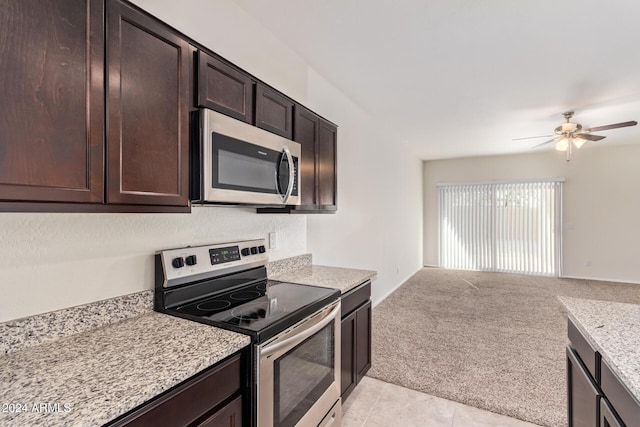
(490, 340)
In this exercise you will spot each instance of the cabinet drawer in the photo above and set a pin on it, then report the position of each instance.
(587, 354)
(355, 297)
(619, 397)
(190, 400)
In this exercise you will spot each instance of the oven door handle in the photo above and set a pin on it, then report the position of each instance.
(293, 341)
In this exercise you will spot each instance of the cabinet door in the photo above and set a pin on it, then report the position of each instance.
(619, 397)
(229, 416)
(363, 340)
(327, 166)
(582, 394)
(224, 89)
(52, 102)
(274, 112)
(348, 357)
(193, 400)
(148, 110)
(607, 415)
(306, 131)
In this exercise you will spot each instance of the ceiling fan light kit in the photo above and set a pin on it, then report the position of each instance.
(562, 144)
(571, 134)
(579, 142)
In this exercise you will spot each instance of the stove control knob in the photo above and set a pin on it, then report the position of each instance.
(191, 260)
(261, 249)
(254, 250)
(178, 262)
(245, 252)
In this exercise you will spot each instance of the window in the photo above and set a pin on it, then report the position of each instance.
(510, 227)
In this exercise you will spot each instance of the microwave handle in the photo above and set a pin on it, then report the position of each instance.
(292, 174)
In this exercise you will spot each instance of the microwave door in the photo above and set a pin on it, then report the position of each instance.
(285, 175)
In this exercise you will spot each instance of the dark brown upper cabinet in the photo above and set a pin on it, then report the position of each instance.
(148, 110)
(306, 134)
(224, 88)
(52, 103)
(327, 166)
(55, 146)
(274, 112)
(318, 179)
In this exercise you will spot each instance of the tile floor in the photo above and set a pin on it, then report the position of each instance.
(375, 403)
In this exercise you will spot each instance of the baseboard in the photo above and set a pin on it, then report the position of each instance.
(599, 279)
(432, 266)
(402, 282)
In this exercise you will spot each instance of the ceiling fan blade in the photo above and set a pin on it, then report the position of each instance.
(590, 137)
(613, 126)
(544, 143)
(532, 137)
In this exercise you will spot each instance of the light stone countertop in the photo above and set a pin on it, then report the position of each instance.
(95, 362)
(344, 279)
(613, 329)
(105, 372)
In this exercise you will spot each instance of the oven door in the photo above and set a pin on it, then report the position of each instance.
(299, 372)
(248, 165)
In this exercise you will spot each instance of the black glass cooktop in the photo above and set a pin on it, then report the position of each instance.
(261, 309)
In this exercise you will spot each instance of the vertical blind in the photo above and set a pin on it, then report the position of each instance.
(510, 227)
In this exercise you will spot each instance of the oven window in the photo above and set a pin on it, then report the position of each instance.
(302, 375)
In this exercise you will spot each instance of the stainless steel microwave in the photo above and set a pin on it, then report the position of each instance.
(237, 163)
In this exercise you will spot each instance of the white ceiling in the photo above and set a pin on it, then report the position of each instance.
(463, 77)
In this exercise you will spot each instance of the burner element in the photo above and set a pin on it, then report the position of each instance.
(244, 295)
(250, 312)
(213, 305)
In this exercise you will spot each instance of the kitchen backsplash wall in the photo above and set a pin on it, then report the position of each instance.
(52, 261)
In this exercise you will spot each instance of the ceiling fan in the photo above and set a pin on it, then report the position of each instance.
(571, 134)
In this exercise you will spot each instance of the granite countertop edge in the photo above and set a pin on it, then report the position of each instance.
(343, 279)
(618, 366)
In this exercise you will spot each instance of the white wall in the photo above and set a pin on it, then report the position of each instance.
(378, 225)
(51, 261)
(601, 204)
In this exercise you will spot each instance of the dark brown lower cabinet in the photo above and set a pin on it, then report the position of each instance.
(607, 416)
(229, 416)
(355, 337)
(595, 395)
(348, 371)
(582, 394)
(212, 398)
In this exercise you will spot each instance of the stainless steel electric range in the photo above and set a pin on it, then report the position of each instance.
(293, 364)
